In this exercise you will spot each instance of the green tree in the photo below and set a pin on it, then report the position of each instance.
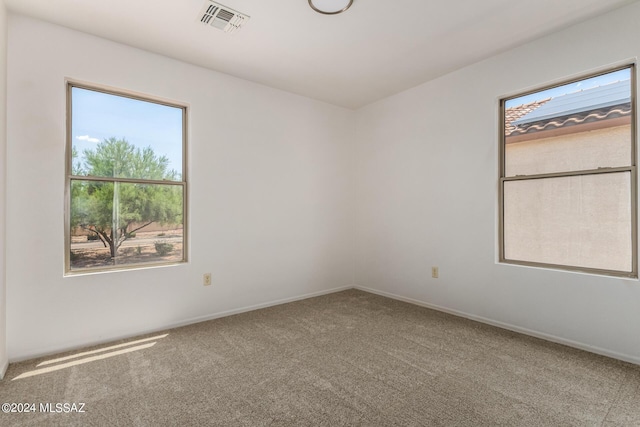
(116, 210)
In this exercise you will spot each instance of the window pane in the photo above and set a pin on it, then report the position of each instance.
(123, 223)
(581, 221)
(116, 136)
(580, 126)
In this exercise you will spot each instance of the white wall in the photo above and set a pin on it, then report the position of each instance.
(270, 189)
(4, 361)
(273, 211)
(428, 192)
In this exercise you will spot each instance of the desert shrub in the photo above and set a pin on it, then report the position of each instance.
(139, 250)
(92, 237)
(163, 248)
(162, 234)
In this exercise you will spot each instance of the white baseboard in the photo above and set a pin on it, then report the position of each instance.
(164, 327)
(252, 308)
(525, 331)
(3, 368)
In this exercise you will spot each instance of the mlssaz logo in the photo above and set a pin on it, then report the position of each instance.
(62, 408)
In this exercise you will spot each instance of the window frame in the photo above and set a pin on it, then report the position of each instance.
(632, 169)
(69, 177)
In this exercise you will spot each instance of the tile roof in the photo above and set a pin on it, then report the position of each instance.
(600, 103)
(573, 119)
(581, 101)
(514, 113)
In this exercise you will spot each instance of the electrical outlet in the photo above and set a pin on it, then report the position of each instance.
(434, 272)
(206, 279)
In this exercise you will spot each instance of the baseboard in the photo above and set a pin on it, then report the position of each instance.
(3, 368)
(252, 308)
(525, 331)
(164, 327)
(548, 337)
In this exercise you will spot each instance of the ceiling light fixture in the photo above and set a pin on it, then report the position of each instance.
(330, 7)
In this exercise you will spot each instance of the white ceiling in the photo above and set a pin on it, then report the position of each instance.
(375, 49)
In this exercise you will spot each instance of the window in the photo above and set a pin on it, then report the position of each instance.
(126, 181)
(568, 176)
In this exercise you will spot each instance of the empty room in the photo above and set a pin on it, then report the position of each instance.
(319, 212)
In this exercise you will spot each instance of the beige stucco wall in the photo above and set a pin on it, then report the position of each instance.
(580, 221)
(608, 147)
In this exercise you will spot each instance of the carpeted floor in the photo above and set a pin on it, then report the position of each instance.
(350, 358)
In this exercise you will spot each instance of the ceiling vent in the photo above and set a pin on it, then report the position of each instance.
(221, 17)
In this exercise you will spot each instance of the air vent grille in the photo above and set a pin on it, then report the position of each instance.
(221, 17)
(208, 14)
(225, 15)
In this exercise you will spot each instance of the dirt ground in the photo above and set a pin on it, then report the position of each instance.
(136, 250)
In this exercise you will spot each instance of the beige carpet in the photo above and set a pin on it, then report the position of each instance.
(350, 358)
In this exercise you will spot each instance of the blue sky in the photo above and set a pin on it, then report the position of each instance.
(624, 74)
(98, 116)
